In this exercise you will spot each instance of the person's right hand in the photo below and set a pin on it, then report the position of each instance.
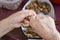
(44, 26)
(15, 19)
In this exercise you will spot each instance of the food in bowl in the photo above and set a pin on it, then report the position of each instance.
(39, 6)
(30, 34)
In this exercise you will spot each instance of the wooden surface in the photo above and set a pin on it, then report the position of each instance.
(15, 34)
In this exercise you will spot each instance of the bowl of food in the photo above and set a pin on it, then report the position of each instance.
(49, 6)
(41, 7)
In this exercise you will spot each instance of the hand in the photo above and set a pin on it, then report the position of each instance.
(44, 26)
(13, 21)
(18, 17)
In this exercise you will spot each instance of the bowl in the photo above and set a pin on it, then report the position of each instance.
(51, 13)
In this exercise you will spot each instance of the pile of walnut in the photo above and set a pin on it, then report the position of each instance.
(10, 4)
(39, 6)
(30, 34)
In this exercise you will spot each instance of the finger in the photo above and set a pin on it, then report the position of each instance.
(32, 18)
(28, 13)
(33, 21)
(25, 23)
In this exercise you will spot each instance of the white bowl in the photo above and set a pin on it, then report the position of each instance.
(51, 13)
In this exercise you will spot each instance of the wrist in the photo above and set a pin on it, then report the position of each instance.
(54, 36)
(5, 27)
(6, 23)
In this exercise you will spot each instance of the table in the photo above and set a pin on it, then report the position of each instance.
(17, 34)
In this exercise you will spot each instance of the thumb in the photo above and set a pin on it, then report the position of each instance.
(26, 13)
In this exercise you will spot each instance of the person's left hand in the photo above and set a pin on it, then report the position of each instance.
(44, 26)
